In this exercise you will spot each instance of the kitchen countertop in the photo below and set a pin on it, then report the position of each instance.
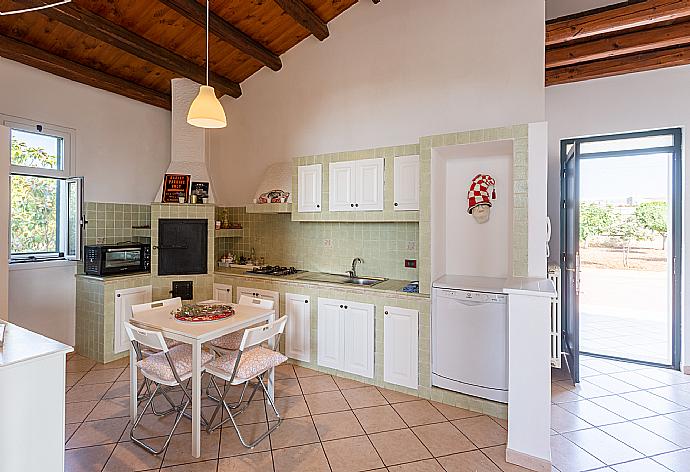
(22, 345)
(518, 285)
(112, 278)
(388, 286)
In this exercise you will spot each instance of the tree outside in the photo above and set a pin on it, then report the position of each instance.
(653, 216)
(33, 202)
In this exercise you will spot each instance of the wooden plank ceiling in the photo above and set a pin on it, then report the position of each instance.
(628, 37)
(134, 47)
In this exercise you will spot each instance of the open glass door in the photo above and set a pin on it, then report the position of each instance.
(570, 255)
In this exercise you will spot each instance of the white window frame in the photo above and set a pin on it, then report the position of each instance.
(68, 136)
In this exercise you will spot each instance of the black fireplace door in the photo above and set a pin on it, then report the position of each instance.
(182, 246)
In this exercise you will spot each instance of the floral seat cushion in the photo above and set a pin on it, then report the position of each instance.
(231, 341)
(157, 365)
(253, 362)
(171, 343)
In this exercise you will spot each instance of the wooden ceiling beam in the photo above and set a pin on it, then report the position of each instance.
(195, 12)
(303, 15)
(32, 56)
(620, 65)
(616, 19)
(89, 23)
(624, 44)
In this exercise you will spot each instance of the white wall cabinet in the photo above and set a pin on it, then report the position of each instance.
(298, 329)
(222, 293)
(309, 188)
(124, 299)
(356, 185)
(406, 183)
(346, 336)
(263, 294)
(400, 346)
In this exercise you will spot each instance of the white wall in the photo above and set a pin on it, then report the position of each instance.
(123, 149)
(123, 146)
(388, 74)
(641, 101)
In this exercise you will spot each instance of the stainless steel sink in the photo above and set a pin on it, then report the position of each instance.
(341, 279)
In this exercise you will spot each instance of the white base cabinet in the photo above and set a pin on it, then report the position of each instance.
(222, 293)
(263, 294)
(298, 329)
(346, 336)
(124, 299)
(400, 346)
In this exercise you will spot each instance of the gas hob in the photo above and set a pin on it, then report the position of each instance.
(275, 271)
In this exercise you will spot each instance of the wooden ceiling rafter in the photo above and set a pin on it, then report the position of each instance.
(195, 12)
(625, 38)
(304, 15)
(40, 59)
(97, 27)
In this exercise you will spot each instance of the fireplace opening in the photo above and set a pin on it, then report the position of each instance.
(182, 246)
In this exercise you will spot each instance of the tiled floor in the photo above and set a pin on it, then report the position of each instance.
(632, 338)
(622, 418)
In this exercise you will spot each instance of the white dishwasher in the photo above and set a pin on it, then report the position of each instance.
(469, 334)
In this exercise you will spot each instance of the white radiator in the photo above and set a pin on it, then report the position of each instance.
(555, 277)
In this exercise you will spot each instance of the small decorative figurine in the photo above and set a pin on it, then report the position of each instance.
(479, 203)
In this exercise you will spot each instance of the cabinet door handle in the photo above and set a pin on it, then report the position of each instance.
(341, 306)
(346, 307)
(118, 295)
(356, 204)
(385, 312)
(306, 301)
(318, 206)
(352, 205)
(227, 289)
(396, 204)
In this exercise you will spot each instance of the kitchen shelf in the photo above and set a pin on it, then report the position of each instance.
(229, 233)
(269, 208)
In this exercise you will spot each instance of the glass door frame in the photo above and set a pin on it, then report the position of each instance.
(676, 202)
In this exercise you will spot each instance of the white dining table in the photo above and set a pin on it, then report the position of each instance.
(195, 334)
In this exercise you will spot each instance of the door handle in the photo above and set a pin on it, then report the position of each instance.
(577, 273)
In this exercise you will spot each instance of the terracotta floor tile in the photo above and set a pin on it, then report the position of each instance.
(230, 444)
(287, 388)
(640, 465)
(307, 458)
(70, 429)
(497, 454)
(82, 393)
(398, 447)
(94, 433)
(110, 408)
(129, 457)
(87, 459)
(592, 413)
(473, 461)
(259, 461)
(568, 457)
(120, 363)
(204, 466)
(294, 432)
(152, 426)
(379, 418)
(180, 449)
(418, 413)
(100, 376)
(118, 389)
(77, 412)
(482, 431)
(288, 407)
(443, 439)
(428, 465)
(678, 461)
(364, 397)
(623, 407)
(345, 384)
(254, 413)
(305, 372)
(81, 365)
(285, 371)
(639, 438)
(453, 412)
(326, 402)
(352, 454)
(653, 402)
(317, 384)
(72, 378)
(338, 425)
(396, 397)
(667, 429)
(602, 446)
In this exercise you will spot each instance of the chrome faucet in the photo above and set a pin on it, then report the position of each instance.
(353, 272)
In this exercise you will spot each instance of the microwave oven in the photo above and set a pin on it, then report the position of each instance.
(121, 258)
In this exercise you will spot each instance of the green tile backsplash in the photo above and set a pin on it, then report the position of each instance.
(110, 223)
(323, 246)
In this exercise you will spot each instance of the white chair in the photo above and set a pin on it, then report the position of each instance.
(251, 361)
(165, 369)
(231, 342)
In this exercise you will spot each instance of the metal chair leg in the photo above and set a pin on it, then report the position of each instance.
(180, 411)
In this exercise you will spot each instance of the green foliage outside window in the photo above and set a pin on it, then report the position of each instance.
(653, 216)
(33, 203)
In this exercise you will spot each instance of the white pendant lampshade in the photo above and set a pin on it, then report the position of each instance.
(206, 110)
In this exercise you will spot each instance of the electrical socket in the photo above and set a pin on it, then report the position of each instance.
(411, 246)
(100, 240)
(328, 243)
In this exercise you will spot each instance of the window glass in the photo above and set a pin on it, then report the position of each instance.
(37, 150)
(34, 214)
(627, 144)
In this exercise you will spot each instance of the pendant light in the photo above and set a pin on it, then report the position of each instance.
(206, 111)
